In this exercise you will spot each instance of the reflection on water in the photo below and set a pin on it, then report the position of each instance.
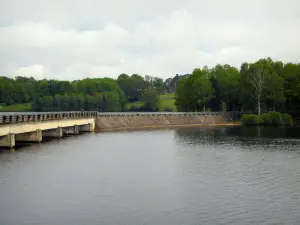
(252, 137)
(205, 175)
(243, 132)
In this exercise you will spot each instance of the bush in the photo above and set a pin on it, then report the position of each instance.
(271, 118)
(268, 119)
(287, 119)
(250, 119)
(168, 109)
(134, 109)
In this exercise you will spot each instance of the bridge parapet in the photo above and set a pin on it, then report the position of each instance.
(233, 113)
(27, 117)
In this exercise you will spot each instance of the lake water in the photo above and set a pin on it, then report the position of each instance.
(206, 175)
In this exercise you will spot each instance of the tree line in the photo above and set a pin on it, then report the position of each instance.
(261, 86)
(101, 94)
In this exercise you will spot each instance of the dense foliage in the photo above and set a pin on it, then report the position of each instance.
(270, 118)
(101, 94)
(258, 87)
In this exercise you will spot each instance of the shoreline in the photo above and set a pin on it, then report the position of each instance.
(157, 127)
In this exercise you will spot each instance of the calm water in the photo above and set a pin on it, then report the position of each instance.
(166, 177)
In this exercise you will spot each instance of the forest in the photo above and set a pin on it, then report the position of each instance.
(261, 86)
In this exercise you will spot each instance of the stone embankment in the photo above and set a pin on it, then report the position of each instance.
(148, 121)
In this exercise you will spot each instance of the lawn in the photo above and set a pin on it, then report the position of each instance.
(16, 108)
(166, 102)
(136, 104)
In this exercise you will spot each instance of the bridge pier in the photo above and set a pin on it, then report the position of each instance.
(7, 141)
(53, 133)
(71, 130)
(35, 136)
(86, 128)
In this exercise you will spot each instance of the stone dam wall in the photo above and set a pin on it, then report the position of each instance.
(136, 121)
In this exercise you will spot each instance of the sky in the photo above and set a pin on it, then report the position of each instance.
(75, 39)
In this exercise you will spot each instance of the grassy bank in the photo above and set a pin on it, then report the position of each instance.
(16, 108)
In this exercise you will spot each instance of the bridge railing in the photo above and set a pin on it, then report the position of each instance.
(166, 113)
(26, 117)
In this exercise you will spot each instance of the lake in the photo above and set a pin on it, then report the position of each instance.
(205, 175)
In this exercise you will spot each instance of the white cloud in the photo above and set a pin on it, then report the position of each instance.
(38, 71)
(73, 40)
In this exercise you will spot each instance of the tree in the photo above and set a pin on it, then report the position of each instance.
(126, 85)
(274, 91)
(291, 76)
(172, 83)
(47, 103)
(81, 101)
(225, 81)
(261, 83)
(57, 102)
(91, 102)
(6, 91)
(158, 84)
(194, 92)
(111, 101)
(150, 98)
(264, 85)
(138, 86)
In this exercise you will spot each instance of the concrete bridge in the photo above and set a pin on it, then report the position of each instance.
(34, 127)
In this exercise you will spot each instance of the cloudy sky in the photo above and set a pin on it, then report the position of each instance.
(74, 39)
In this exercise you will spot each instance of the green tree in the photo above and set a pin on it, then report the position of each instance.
(261, 83)
(47, 103)
(264, 85)
(138, 86)
(194, 92)
(291, 76)
(225, 81)
(150, 98)
(126, 85)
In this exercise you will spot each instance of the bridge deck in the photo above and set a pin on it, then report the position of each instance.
(26, 117)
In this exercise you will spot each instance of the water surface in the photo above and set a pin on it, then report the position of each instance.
(206, 175)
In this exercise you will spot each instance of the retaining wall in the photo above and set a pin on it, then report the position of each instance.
(121, 122)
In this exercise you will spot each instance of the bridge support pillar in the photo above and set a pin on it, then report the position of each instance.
(86, 128)
(7, 141)
(35, 136)
(53, 133)
(71, 130)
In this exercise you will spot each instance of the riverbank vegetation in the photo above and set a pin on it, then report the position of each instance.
(267, 119)
(258, 87)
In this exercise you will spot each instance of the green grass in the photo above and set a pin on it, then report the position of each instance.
(166, 101)
(16, 108)
(136, 104)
